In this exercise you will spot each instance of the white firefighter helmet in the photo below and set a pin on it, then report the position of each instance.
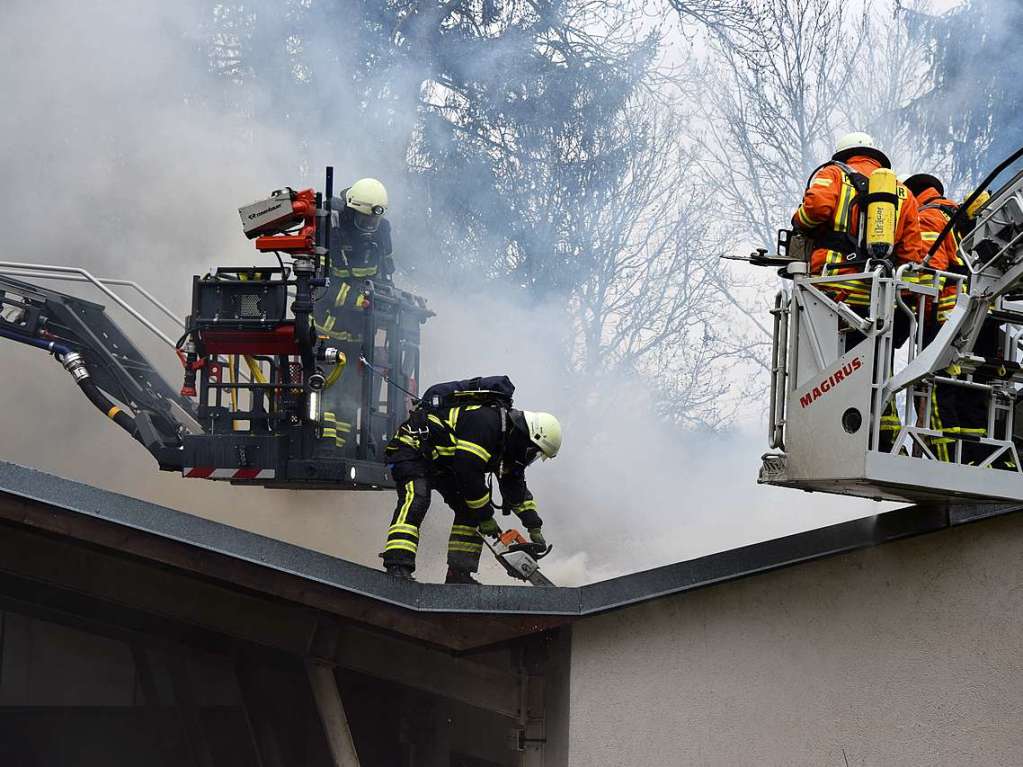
(544, 432)
(858, 142)
(367, 198)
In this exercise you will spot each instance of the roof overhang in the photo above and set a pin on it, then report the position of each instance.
(121, 526)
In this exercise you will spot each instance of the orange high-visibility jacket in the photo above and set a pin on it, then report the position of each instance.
(935, 212)
(829, 206)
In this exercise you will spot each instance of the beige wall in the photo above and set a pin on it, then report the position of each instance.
(910, 653)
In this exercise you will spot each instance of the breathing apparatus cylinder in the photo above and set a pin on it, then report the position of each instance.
(882, 193)
(976, 205)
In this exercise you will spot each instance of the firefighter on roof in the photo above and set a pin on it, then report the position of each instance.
(360, 256)
(454, 450)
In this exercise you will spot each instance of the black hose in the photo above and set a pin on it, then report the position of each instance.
(108, 408)
(91, 391)
(970, 200)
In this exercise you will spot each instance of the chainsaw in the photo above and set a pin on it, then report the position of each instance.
(519, 556)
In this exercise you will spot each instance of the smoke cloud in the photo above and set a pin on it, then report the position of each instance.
(122, 154)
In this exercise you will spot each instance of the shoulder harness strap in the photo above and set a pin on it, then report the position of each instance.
(948, 210)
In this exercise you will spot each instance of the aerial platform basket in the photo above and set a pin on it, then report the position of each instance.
(851, 414)
(250, 408)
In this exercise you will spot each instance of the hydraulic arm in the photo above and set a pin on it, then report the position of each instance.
(110, 370)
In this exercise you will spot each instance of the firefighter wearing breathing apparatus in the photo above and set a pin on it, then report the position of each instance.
(854, 210)
(360, 255)
(959, 413)
(834, 214)
(935, 211)
(453, 449)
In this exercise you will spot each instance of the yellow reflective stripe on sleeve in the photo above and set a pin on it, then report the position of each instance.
(476, 450)
(464, 530)
(329, 433)
(444, 450)
(342, 294)
(364, 271)
(928, 236)
(525, 506)
(401, 544)
(479, 503)
(819, 181)
(113, 411)
(805, 219)
(832, 259)
(409, 495)
(328, 324)
(403, 528)
(453, 417)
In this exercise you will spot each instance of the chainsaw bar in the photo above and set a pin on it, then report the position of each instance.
(519, 557)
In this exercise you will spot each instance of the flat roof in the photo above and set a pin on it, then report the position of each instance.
(35, 499)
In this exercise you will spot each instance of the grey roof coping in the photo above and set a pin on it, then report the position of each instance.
(76, 498)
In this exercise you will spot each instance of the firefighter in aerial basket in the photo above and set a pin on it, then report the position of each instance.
(857, 177)
(460, 434)
(360, 256)
(855, 211)
(959, 413)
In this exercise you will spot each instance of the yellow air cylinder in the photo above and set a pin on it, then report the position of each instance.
(881, 213)
(976, 205)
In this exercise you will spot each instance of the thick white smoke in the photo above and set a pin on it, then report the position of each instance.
(118, 154)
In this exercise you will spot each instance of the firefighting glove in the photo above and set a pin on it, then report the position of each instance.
(490, 528)
(536, 536)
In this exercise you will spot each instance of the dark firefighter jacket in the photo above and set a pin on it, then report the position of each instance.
(466, 445)
(357, 255)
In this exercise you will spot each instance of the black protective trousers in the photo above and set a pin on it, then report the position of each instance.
(415, 482)
(960, 413)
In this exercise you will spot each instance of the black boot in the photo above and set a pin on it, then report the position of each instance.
(402, 572)
(460, 576)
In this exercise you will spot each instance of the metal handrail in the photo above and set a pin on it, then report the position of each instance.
(106, 281)
(84, 275)
(779, 353)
